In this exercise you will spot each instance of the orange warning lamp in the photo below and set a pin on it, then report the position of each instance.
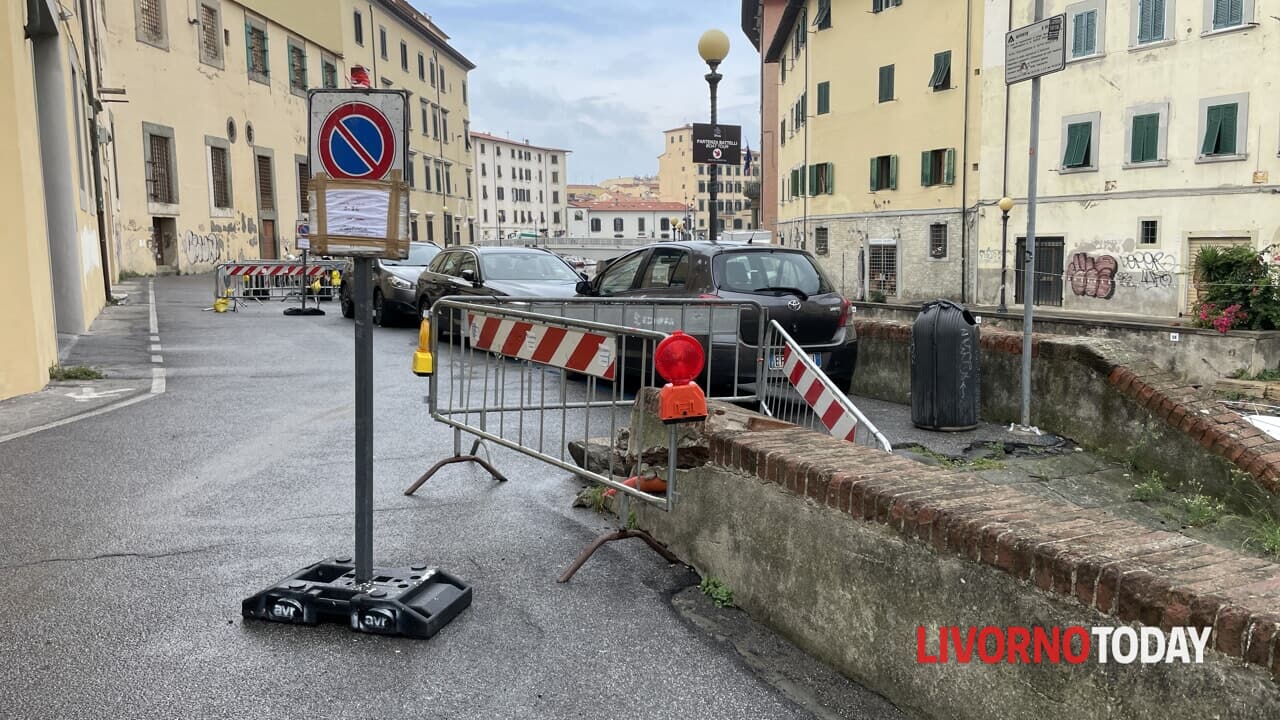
(679, 359)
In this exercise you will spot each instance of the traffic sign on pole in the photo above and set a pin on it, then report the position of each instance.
(358, 134)
(1034, 50)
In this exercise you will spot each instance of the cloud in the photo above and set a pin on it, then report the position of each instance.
(600, 80)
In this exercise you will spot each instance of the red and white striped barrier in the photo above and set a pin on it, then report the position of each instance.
(576, 350)
(273, 270)
(834, 416)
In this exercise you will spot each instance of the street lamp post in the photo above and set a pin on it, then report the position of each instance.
(713, 46)
(1005, 205)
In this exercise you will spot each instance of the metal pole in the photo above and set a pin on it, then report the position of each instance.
(364, 422)
(1029, 261)
(1004, 256)
(713, 79)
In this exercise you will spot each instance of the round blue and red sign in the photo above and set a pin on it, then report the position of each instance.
(356, 143)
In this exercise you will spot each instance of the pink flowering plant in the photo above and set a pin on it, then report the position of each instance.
(1238, 289)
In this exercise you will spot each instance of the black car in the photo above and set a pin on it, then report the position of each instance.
(788, 283)
(394, 283)
(495, 271)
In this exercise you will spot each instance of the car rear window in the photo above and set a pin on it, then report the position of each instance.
(767, 272)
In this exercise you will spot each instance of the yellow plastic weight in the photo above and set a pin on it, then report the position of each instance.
(220, 305)
(423, 363)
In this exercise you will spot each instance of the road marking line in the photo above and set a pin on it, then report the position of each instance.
(157, 359)
(157, 381)
(76, 418)
(155, 338)
(155, 347)
(151, 296)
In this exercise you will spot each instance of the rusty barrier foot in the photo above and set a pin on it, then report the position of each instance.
(610, 537)
(449, 461)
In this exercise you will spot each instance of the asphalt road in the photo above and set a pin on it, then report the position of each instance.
(131, 537)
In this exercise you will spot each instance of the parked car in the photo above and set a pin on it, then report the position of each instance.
(495, 271)
(788, 283)
(394, 283)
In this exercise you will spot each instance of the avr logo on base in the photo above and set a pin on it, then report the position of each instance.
(374, 621)
(286, 610)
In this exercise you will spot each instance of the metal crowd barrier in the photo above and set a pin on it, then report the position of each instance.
(797, 391)
(261, 280)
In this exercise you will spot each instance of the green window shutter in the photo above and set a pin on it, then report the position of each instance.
(831, 178)
(1077, 35)
(248, 45)
(305, 84)
(824, 98)
(813, 180)
(886, 83)
(1078, 137)
(926, 168)
(1146, 137)
(1157, 19)
(795, 183)
(266, 55)
(875, 174)
(893, 172)
(941, 71)
(1091, 32)
(1227, 140)
(950, 171)
(1144, 21)
(1235, 11)
(1213, 126)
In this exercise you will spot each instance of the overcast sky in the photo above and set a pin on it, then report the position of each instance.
(602, 78)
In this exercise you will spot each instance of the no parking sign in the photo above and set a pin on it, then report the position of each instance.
(358, 134)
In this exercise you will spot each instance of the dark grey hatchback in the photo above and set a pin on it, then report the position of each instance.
(788, 284)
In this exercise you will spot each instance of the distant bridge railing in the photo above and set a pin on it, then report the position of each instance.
(599, 243)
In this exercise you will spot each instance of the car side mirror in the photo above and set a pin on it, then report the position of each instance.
(469, 276)
(584, 287)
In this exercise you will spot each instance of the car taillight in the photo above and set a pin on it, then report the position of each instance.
(846, 316)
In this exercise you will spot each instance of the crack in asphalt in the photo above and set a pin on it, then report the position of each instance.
(108, 556)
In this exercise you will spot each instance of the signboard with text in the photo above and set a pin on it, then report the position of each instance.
(1034, 50)
(717, 144)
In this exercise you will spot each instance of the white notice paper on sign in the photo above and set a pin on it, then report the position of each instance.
(358, 213)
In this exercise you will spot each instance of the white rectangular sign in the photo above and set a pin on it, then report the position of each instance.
(358, 134)
(1034, 50)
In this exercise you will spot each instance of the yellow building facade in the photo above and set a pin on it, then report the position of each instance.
(1176, 129)
(682, 180)
(212, 142)
(52, 265)
(878, 138)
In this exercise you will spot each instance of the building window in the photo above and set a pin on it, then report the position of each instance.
(410, 171)
(884, 173)
(1080, 142)
(150, 23)
(500, 193)
(440, 188)
(443, 87)
(1086, 29)
(159, 161)
(824, 98)
(1145, 138)
(359, 26)
(464, 92)
(448, 181)
(329, 72)
(255, 37)
(555, 176)
(555, 217)
(617, 224)
(1224, 14)
(882, 269)
(219, 174)
(1222, 127)
(938, 241)
(640, 224)
(210, 34)
(938, 167)
(297, 67)
(823, 17)
(1149, 232)
(435, 122)
(941, 78)
(266, 184)
(468, 184)
(555, 197)
(304, 185)
(886, 83)
(822, 179)
(820, 242)
(1149, 20)
(382, 42)
(555, 159)
(595, 224)
(404, 56)
(426, 174)
(444, 124)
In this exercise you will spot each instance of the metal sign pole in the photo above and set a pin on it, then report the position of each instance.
(364, 422)
(1029, 260)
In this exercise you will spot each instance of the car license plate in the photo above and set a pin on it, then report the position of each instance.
(776, 362)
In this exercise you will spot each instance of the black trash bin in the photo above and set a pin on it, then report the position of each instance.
(946, 368)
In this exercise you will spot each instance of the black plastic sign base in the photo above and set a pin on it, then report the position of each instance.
(411, 602)
(303, 311)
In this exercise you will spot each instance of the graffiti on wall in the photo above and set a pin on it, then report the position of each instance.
(1092, 277)
(1150, 270)
(202, 249)
(1098, 277)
